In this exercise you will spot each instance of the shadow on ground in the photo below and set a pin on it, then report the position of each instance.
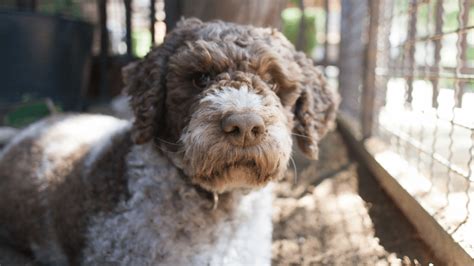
(337, 214)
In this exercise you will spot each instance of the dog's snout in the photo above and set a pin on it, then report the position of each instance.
(244, 129)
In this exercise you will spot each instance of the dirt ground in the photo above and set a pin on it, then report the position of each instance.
(337, 214)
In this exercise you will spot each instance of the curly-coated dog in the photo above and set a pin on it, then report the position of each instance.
(215, 109)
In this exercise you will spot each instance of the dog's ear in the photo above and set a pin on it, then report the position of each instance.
(315, 109)
(145, 82)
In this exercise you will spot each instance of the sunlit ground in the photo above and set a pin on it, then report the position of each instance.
(430, 156)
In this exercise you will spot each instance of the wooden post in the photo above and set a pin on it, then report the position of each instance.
(128, 26)
(104, 47)
(152, 21)
(173, 13)
(368, 92)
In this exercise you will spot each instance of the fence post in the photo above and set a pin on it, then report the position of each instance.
(437, 52)
(104, 47)
(462, 50)
(368, 91)
(152, 21)
(173, 13)
(128, 26)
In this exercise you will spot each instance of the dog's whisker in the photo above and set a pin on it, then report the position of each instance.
(295, 177)
(166, 151)
(299, 135)
(215, 201)
(167, 142)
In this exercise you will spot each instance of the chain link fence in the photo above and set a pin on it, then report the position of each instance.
(406, 79)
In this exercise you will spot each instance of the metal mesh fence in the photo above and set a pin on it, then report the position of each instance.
(415, 93)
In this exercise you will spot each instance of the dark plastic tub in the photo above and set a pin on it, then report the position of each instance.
(44, 56)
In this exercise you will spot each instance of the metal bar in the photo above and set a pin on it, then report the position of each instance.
(411, 48)
(152, 21)
(462, 50)
(301, 40)
(432, 69)
(408, 74)
(128, 26)
(433, 154)
(435, 79)
(104, 47)
(437, 50)
(439, 36)
(368, 92)
(326, 29)
(425, 72)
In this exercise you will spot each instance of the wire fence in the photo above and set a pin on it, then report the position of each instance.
(416, 94)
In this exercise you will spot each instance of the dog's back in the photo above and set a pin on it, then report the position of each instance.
(75, 190)
(45, 197)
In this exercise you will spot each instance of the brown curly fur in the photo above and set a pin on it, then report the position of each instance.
(162, 93)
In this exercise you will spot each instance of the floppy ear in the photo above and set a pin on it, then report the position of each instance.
(145, 83)
(315, 109)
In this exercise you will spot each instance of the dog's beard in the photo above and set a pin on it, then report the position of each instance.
(216, 165)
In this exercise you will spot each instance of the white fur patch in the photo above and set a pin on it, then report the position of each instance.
(56, 139)
(65, 137)
(167, 222)
(234, 99)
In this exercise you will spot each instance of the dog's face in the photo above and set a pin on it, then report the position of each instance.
(224, 100)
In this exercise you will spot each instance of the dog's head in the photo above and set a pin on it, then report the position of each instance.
(224, 100)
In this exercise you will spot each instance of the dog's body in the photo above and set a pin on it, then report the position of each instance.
(138, 208)
(215, 107)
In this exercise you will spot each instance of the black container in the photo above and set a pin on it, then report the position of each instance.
(44, 56)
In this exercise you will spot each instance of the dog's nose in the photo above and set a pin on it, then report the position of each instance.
(244, 129)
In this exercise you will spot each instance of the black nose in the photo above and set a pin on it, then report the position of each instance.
(244, 129)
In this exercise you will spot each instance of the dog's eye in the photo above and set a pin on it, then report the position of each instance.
(201, 81)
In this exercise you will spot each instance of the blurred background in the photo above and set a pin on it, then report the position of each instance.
(404, 68)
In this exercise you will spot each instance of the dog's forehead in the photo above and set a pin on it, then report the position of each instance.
(234, 97)
(228, 32)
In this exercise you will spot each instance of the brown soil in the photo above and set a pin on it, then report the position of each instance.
(337, 214)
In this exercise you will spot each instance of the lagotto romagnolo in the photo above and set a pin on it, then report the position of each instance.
(186, 182)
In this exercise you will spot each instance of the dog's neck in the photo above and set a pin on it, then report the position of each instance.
(174, 158)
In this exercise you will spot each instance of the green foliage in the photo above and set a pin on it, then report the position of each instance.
(141, 42)
(26, 113)
(61, 7)
(291, 26)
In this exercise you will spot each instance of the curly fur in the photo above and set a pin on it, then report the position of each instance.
(94, 190)
(222, 49)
